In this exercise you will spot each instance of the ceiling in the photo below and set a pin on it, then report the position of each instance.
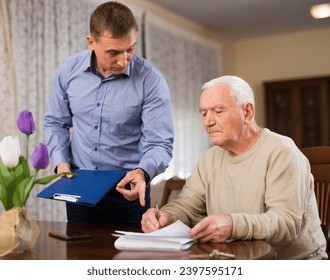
(239, 19)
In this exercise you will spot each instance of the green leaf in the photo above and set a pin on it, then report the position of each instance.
(21, 171)
(22, 191)
(10, 190)
(4, 173)
(28, 189)
(48, 179)
(13, 182)
(3, 196)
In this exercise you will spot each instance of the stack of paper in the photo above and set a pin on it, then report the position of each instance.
(172, 237)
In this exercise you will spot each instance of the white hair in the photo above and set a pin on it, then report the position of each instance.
(239, 88)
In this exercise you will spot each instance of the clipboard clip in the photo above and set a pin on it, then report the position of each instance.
(66, 197)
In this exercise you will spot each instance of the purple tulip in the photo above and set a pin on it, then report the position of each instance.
(40, 157)
(25, 122)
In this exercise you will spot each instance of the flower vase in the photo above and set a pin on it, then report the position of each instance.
(18, 231)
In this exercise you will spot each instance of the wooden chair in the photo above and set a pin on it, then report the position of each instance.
(172, 184)
(319, 158)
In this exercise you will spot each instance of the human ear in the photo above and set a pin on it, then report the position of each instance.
(90, 42)
(248, 111)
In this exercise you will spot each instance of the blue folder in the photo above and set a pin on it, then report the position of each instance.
(88, 187)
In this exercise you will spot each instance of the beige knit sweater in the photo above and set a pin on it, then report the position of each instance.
(268, 191)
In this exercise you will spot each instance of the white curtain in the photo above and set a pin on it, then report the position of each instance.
(35, 35)
(187, 61)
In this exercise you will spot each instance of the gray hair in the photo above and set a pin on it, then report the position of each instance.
(239, 88)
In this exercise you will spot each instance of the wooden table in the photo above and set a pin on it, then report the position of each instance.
(101, 246)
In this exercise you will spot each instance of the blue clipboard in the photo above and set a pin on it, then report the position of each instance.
(88, 187)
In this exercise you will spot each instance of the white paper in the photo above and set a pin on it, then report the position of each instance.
(172, 237)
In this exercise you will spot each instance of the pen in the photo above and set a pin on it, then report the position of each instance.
(157, 208)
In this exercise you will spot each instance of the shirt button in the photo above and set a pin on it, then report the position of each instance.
(98, 104)
(95, 149)
(96, 168)
(96, 127)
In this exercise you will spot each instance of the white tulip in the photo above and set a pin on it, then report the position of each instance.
(10, 151)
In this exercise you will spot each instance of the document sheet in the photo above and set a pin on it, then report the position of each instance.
(172, 237)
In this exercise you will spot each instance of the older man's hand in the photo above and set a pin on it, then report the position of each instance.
(153, 220)
(214, 228)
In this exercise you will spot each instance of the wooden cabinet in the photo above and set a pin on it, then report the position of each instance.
(300, 109)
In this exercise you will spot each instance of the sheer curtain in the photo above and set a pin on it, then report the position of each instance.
(187, 60)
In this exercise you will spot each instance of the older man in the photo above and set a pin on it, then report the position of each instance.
(252, 184)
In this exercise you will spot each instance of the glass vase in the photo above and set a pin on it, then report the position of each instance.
(18, 231)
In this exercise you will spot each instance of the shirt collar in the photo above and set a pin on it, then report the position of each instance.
(89, 65)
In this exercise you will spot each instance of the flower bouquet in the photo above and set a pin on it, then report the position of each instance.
(17, 227)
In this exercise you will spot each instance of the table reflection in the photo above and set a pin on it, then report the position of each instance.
(101, 246)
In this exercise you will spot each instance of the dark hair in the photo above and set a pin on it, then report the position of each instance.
(114, 17)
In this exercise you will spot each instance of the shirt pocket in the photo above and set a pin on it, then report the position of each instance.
(125, 126)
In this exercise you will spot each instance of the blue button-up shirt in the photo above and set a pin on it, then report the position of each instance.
(119, 122)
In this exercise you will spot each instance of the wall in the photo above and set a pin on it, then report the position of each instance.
(227, 43)
(285, 56)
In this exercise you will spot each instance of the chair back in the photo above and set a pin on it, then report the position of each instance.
(319, 158)
(172, 184)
